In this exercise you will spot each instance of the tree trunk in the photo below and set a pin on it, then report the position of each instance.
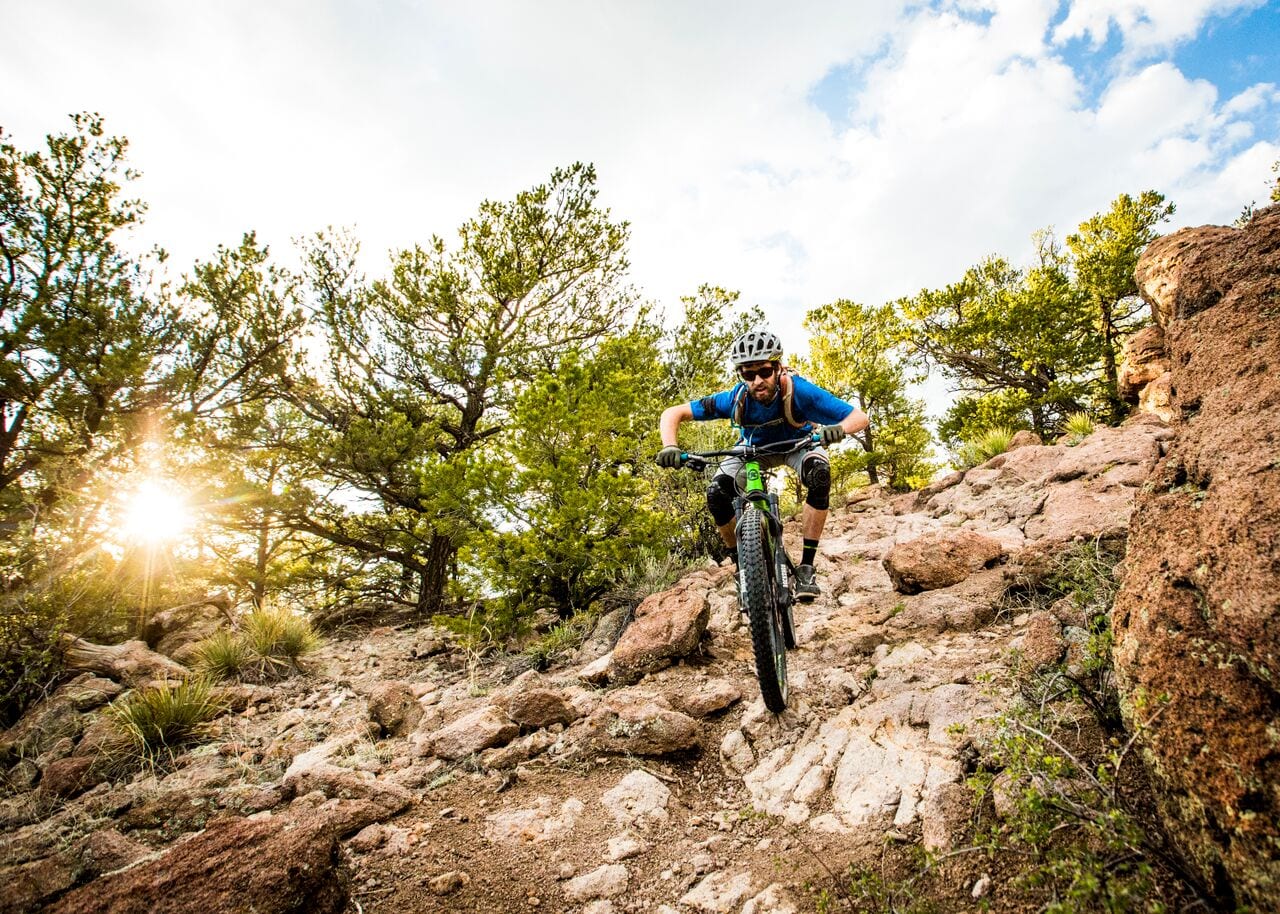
(873, 476)
(435, 575)
(132, 663)
(1114, 406)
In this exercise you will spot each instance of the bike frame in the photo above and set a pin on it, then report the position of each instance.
(757, 492)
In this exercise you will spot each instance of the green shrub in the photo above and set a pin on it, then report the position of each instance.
(988, 444)
(223, 655)
(1078, 427)
(153, 723)
(29, 658)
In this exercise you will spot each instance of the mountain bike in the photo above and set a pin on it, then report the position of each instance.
(766, 574)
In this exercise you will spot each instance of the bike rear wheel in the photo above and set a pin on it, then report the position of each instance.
(760, 600)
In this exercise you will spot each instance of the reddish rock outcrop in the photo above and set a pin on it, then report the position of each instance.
(272, 866)
(1144, 372)
(1198, 619)
(939, 559)
(667, 626)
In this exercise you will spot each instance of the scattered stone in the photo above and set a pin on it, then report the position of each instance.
(596, 672)
(394, 708)
(600, 906)
(532, 709)
(772, 900)
(736, 752)
(980, 886)
(944, 815)
(637, 726)
(667, 625)
(471, 733)
(608, 881)
(448, 883)
(639, 799)
(719, 893)
(540, 823)
(518, 750)
(710, 697)
(67, 777)
(939, 559)
(624, 847)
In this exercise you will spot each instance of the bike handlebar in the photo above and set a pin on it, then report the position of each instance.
(698, 460)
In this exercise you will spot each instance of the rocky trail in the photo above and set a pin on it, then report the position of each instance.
(400, 773)
(650, 778)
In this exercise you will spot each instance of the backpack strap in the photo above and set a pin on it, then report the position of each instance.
(788, 412)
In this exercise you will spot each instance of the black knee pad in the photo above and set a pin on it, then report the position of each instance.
(720, 496)
(816, 476)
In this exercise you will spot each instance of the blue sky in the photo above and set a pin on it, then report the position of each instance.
(798, 153)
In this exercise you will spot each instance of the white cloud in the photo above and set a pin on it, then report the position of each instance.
(1144, 25)
(966, 128)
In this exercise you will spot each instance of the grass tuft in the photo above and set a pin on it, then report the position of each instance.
(152, 724)
(278, 639)
(986, 445)
(1079, 427)
(271, 645)
(223, 655)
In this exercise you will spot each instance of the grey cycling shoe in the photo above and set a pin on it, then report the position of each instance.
(806, 583)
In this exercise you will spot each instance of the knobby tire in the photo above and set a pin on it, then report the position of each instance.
(759, 598)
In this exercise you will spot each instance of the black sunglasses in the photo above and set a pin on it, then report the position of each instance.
(750, 374)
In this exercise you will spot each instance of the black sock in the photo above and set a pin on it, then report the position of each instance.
(733, 554)
(810, 552)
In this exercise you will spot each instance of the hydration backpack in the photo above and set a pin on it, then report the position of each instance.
(786, 390)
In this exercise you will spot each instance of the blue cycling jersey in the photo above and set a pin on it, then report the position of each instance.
(765, 423)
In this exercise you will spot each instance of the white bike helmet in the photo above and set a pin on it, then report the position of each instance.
(755, 346)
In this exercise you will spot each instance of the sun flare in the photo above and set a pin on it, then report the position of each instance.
(155, 513)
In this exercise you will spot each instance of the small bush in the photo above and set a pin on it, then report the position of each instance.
(223, 655)
(277, 640)
(649, 573)
(153, 723)
(271, 645)
(1079, 427)
(979, 450)
(559, 642)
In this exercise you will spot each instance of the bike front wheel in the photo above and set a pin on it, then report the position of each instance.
(760, 600)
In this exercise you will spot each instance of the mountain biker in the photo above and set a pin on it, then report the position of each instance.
(770, 404)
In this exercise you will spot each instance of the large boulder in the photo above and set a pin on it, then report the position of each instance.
(1197, 619)
(940, 558)
(667, 626)
(276, 865)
